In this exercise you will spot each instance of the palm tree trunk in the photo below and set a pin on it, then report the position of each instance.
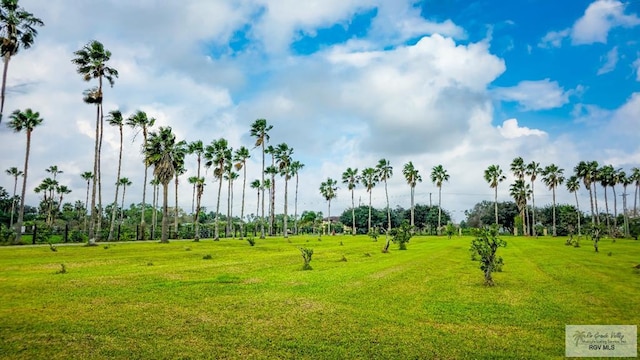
(115, 201)
(94, 185)
(495, 204)
(216, 233)
(532, 226)
(124, 189)
(635, 199)
(165, 213)
(99, 175)
(244, 187)
(412, 207)
(229, 207)
(595, 201)
(369, 230)
(295, 211)
(13, 199)
(439, 208)
(262, 190)
(86, 203)
(7, 57)
(154, 214)
(196, 236)
(286, 200)
(386, 193)
(329, 217)
(353, 214)
(615, 208)
(175, 212)
(606, 209)
(553, 191)
(578, 210)
(24, 190)
(593, 214)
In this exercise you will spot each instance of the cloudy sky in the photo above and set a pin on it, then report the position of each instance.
(461, 83)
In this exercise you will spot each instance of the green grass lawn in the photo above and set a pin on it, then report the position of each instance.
(149, 300)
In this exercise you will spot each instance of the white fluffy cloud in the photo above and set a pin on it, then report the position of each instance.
(599, 18)
(511, 130)
(535, 95)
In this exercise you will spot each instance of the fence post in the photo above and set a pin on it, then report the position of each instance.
(35, 233)
(66, 232)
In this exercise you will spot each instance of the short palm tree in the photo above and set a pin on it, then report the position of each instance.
(552, 176)
(438, 176)
(573, 185)
(384, 173)
(86, 176)
(255, 184)
(115, 119)
(15, 173)
(413, 177)
(260, 130)
(140, 120)
(26, 121)
(328, 190)
(124, 182)
(494, 176)
(520, 192)
(296, 166)
(240, 158)
(369, 179)
(351, 179)
(160, 153)
(17, 30)
(216, 155)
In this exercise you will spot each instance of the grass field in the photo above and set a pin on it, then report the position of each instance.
(151, 301)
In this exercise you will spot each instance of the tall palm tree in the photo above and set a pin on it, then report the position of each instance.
(199, 182)
(88, 177)
(635, 176)
(216, 155)
(518, 168)
(583, 171)
(369, 179)
(552, 176)
(625, 181)
(115, 119)
(124, 182)
(385, 171)
(296, 166)
(260, 130)
(140, 120)
(26, 121)
(17, 29)
(197, 148)
(413, 177)
(351, 179)
(283, 157)
(573, 185)
(15, 173)
(179, 153)
(273, 171)
(255, 184)
(615, 180)
(328, 190)
(91, 63)
(438, 176)
(240, 157)
(160, 153)
(230, 176)
(595, 178)
(520, 191)
(494, 176)
(532, 170)
(605, 178)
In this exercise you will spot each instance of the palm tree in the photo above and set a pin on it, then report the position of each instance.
(154, 206)
(240, 157)
(625, 181)
(573, 185)
(255, 184)
(179, 153)
(595, 177)
(520, 191)
(494, 176)
(615, 180)
(283, 156)
(413, 177)
(518, 168)
(438, 176)
(24, 120)
(160, 152)
(385, 171)
(532, 170)
(552, 176)
(86, 176)
(199, 182)
(124, 182)
(328, 190)
(91, 62)
(635, 176)
(296, 166)
(195, 147)
(260, 131)
(14, 172)
(273, 171)
(351, 179)
(583, 171)
(54, 170)
(605, 177)
(216, 155)
(61, 190)
(141, 121)
(369, 180)
(230, 176)
(115, 119)
(17, 29)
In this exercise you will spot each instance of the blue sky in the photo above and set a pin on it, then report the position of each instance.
(460, 83)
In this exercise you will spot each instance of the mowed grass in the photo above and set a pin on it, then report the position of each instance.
(150, 301)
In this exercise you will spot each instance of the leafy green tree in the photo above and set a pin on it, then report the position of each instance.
(438, 176)
(486, 245)
(160, 153)
(361, 215)
(115, 119)
(532, 170)
(553, 177)
(283, 156)
(296, 166)
(573, 185)
(369, 180)
(384, 172)
(412, 175)
(26, 121)
(240, 157)
(91, 63)
(402, 234)
(15, 173)
(494, 176)
(351, 179)
(260, 130)
(140, 120)
(17, 30)
(328, 190)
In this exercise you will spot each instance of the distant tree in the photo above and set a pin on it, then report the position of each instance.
(240, 157)
(625, 181)
(255, 184)
(369, 180)
(351, 179)
(199, 183)
(635, 176)
(15, 173)
(553, 177)
(197, 148)
(124, 182)
(584, 171)
(438, 176)
(296, 166)
(26, 121)
(532, 170)
(328, 190)
(283, 156)
(88, 177)
(179, 152)
(115, 119)
(573, 185)
(494, 176)
(140, 120)
(384, 172)
(485, 245)
(605, 178)
(260, 130)
(518, 168)
(216, 154)
(412, 176)
(17, 30)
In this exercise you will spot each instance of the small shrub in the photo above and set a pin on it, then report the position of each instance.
(252, 241)
(341, 244)
(402, 235)
(610, 253)
(576, 243)
(63, 269)
(367, 255)
(485, 245)
(344, 258)
(373, 234)
(149, 263)
(207, 257)
(106, 247)
(450, 230)
(52, 248)
(307, 253)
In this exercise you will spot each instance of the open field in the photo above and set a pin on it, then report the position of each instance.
(149, 300)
